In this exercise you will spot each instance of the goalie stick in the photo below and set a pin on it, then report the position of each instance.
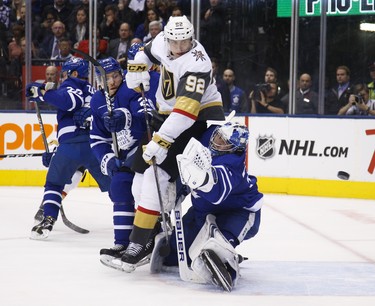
(45, 142)
(186, 273)
(104, 90)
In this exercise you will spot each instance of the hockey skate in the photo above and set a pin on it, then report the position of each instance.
(220, 275)
(136, 255)
(42, 230)
(112, 257)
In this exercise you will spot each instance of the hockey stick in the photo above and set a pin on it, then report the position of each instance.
(39, 217)
(45, 142)
(165, 249)
(186, 273)
(104, 90)
(71, 225)
(217, 122)
(20, 155)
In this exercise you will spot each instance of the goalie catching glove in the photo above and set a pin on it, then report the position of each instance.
(195, 168)
(158, 148)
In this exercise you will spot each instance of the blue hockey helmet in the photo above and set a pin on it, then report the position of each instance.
(109, 65)
(76, 64)
(134, 48)
(229, 138)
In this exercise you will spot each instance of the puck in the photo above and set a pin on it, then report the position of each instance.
(343, 175)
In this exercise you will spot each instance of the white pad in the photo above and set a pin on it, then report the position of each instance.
(145, 191)
(194, 164)
(76, 178)
(210, 238)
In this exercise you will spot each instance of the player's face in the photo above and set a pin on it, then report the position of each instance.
(179, 47)
(64, 76)
(219, 143)
(114, 80)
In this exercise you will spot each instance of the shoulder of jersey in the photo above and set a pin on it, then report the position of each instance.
(198, 60)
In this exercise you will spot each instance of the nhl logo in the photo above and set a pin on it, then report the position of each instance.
(265, 147)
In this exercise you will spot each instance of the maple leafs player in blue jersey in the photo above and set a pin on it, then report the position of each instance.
(127, 122)
(226, 204)
(74, 149)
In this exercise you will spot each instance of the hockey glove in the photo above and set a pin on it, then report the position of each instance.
(137, 75)
(158, 148)
(34, 92)
(118, 120)
(109, 165)
(194, 165)
(46, 158)
(82, 117)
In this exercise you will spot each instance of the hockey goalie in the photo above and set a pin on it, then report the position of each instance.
(225, 211)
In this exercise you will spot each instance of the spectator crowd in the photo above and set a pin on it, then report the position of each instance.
(60, 25)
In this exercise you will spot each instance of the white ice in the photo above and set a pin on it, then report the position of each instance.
(309, 251)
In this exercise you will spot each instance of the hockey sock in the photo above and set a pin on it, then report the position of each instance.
(123, 217)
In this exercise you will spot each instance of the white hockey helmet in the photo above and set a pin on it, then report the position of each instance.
(178, 28)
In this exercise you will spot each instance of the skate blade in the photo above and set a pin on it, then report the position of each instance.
(111, 262)
(129, 268)
(220, 277)
(37, 236)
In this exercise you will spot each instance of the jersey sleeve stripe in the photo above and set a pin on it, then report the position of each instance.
(185, 105)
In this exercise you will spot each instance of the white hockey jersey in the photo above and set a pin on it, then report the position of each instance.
(186, 87)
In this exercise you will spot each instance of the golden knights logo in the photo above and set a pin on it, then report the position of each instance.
(198, 55)
(265, 146)
(168, 84)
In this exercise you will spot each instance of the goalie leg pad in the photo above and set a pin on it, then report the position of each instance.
(157, 260)
(210, 238)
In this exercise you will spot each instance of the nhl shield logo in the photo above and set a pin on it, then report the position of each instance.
(265, 147)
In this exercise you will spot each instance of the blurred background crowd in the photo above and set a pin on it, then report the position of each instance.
(247, 41)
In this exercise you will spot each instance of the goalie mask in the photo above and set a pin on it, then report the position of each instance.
(229, 138)
(76, 64)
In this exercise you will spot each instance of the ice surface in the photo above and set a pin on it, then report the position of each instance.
(309, 251)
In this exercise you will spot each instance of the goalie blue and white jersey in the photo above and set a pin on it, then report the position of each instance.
(72, 94)
(128, 138)
(235, 188)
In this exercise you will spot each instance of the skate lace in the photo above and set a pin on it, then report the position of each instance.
(118, 247)
(134, 249)
(48, 221)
